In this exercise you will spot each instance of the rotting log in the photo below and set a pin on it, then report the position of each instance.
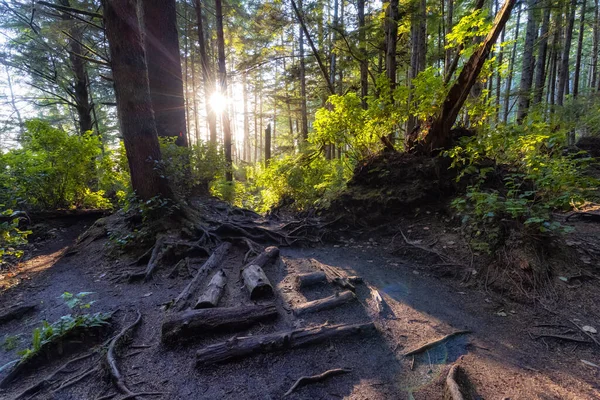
(213, 262)
(269, 255)
(326, 303)
(214, 291)
(311, 279)
(240, 347)
(196, 323)
(15, 312)
(256, 282)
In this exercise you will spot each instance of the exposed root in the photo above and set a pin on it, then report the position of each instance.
(48, 381)
(316, 378)
(452, 386)
(111, 358)
(16, 312)
(430, 345)
(561, 337)
(76, 379)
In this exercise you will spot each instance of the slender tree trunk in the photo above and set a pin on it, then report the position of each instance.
(207, 76)
(579, 50)
(563, 70)
(78, 64)
(596, 32)
(267, 144)
(134, 103)
(195, 97)
(449, 16)
(511, 67)
(527, 62)
(498, 72)
(303, 111)
(391, 40)
(164, 68)
(540, 68)
(332, 65)
(246, 121)
(362, 44)
(223, 89)
(13, 103)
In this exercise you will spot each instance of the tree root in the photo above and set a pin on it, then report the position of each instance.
(76, 379)
(430, 345)
(47, 381)
(111, 358)
(15, 312)
(452, 386)
(316, 378)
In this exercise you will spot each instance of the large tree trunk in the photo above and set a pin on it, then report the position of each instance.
(438, 136)
(527, 62)
(132, 92)
(223, 89)
(80, 84)
(207, 77)
(579, 50)
(161, 41)
(563, 70)
(418, 50)
(540, 68)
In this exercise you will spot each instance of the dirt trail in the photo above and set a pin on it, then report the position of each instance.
(499, 357)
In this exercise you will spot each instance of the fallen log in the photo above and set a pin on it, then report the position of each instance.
(196, 323)
(267, 256)
(213, 261)
(240, 347)
(325, 303)
(16, 312)
(213, 292)
(256, 282)
(311, 279)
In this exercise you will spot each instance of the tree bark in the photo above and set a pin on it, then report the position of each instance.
(256, 282)
(240, 347)
(213, 262)
(527, 62)
(198, 323)
(438, 136)
(207, 77)
(267, 144)
(595, 45)
(540, 68)
(579, 50)
(511, 67)
(78, 64)
(362, 44)
(303, 109)
(161, 41)
(223, 90)
(325, 304)
(311, 279)
(132, 92)
(214, 291)
(563, 70)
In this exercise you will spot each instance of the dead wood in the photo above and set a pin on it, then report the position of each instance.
(239, 347)
(256, 282)
(336, 276)
(305, 380)
(326, 303)
(111, 358)
(213, 262)
(561, 337)
(196, 323)
(48, 380)
(453, 391)
(311, 279)
(434, 343)
(214, 291)
(16, 312)
(267, 256)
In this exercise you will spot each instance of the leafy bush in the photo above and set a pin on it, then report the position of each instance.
(10, 235)
(51, 170)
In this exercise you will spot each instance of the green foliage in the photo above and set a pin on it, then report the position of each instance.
(10, 343)
(52, 169)
(530, 177)
(67, 324)
(11, 236)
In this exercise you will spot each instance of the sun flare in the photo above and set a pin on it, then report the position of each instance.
(218, 102)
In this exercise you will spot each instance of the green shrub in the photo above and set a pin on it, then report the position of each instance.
(11, 236)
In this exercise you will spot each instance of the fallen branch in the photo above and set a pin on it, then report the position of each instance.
(452, 386)
(213, 262)
(326, 303)
(430, 345)
(316, 378)
(239, 347)
(111, 358)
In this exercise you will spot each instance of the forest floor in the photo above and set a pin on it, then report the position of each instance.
(413, 289)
